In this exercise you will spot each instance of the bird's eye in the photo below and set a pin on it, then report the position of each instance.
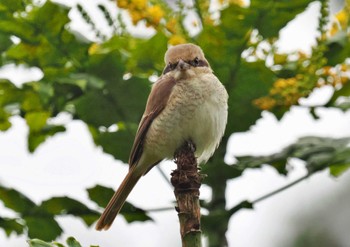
(195, 62)
(173, 66)
(169, 67)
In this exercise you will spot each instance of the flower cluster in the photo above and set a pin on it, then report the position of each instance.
(142, 10)
(284, 92)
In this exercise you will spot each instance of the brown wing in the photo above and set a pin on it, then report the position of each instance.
(156, 102)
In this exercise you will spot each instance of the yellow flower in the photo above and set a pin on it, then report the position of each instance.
(237, 2)
(122, 4)
(93, 49)
(344, 67)
(136, 16)
(265, 103)
(334, 29)
(171, 25)
(344, 80)
(176, 40)
(343, 18)
(155, 14)
(139, 4)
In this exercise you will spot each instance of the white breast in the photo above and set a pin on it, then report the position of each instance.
(196, 110)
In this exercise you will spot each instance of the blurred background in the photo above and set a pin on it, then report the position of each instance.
(74, 80)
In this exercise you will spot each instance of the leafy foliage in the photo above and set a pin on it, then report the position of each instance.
(318, 153)
(71, 242)
(104, 82)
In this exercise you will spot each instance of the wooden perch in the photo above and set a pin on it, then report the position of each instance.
(186, 180)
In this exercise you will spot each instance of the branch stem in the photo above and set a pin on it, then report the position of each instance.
(186, 181)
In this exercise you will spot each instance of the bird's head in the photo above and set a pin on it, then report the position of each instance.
(185, 58)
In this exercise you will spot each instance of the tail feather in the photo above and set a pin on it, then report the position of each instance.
(117, 201)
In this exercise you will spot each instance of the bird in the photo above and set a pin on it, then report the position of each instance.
(187, 102)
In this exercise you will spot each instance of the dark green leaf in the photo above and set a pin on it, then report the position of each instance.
(11, 226)
(253, 80)
(338, 48)
(65, 206)
(15, 200)
(50, 17)
(13, 5)
(117, 143)
(274, 15)
(108, 66)
(343, 92)
(36, 138)
(97, 109)
(145, 58)
(83, 81)
(5, 42)
(317, 152)
(19, 28)
(101, 195)
(43, 227)
(130, 97)
(72, 242)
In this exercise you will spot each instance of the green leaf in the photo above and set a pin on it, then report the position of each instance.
(43, 227)
(15, 200)
(5, 42)
(13, 5)
(72, 242)
(39, 243)
(97, 109)
(19, 28)
(337, 170)
(101, 195)
(231, 36)
(36, 138)
(5, 123)
(338, 48)
(344, 91)
(132, 213)
(130, 97)
(117, 143)
(145, 59)
(108, 66)
(253, 80)
(83, 81)
(50, 17)
(11, 226)
(317, 152)
(272, 16)
(31, 101)
(37, 120)
(66, 205)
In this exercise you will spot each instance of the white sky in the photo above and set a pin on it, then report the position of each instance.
(69, 163)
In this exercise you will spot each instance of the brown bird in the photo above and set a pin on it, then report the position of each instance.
(188, 102)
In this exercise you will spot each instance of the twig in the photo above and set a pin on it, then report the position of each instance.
(186, 181)
(162, 173)
(250, 204)
(280, 189)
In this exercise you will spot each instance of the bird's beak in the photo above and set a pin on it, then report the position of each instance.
(182, 65)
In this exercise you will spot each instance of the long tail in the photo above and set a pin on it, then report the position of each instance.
(117, 201)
